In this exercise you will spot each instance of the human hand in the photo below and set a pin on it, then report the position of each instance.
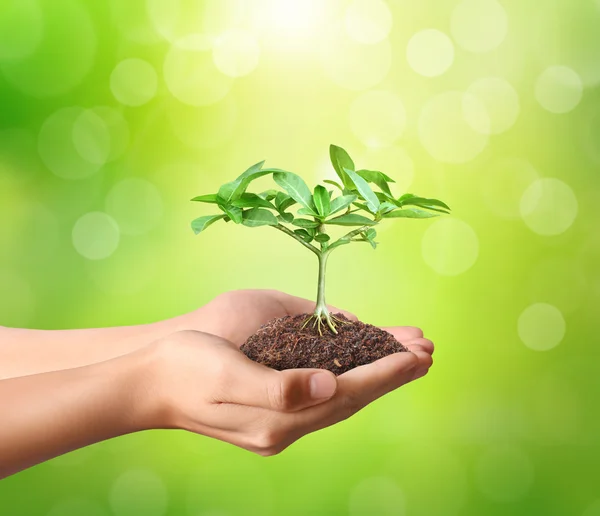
(204, 384)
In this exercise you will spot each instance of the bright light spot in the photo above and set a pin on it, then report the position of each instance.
(501, 103)
(351, 65)
(450, 246)
(549, 207)
(68, 32)
(67, 141)
(503, 185)
(193, 78)
(293, 15)
(559, 89)
(479, 25)
(133, 82)
(204, 127)
(368, 21)
(236, 53)
(132, 20)
(430, 53)
(377, 496)
(96, 236)
(118, 129)
(504, 473)
(444, 131)
(139, 491)
(21, 28)
(136, 205)
(541, 327)
(377, 118)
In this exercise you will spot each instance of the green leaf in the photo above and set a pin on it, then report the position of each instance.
(341, 203)
(233, 212)
(386, 206)
(305, 223)
(351, 219)
(322, 238)
(304, 235)
(334, 183)
(378, 178)
(321, 200)
(250, 200)
(288, 218)
(226, 191)
(410, 213)
(295, 186)
(309, 212)
(364, 190)
(200, 224)
(210, 198)
(341, 161)
(259, 217)
(424, 203)
(370, 235)
(268, 195)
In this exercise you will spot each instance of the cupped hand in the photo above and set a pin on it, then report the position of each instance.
(203, 383)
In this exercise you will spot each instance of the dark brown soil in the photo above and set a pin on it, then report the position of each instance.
(283, 344)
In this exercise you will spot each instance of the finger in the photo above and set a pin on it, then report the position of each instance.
(424, 344)
(248, 383)
(403, 333)
(298, 305)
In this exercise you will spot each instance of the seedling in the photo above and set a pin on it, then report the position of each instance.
(361, 200)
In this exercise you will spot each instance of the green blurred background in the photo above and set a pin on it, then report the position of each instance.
(114, 114)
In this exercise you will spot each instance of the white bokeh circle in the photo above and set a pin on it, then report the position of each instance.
(450, 246)
(77, 507)
(68, 32)
(549, 207)
(21, 28)
(139, 491)
(430, 53)
(559, 89)
(503, 183)
(504, 473)
(95, 236)
(136, 205)
(351, 65)
(368, 21)
(193, 78)
(445, 132)
(134, 82)
(479, 26)
(501, 102)
(377, 118)
(377, 496)
(236, 53)
(74, 143)
(133, 21)
(118, 129)
(541, 327)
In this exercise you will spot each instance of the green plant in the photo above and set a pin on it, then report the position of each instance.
(357, 205)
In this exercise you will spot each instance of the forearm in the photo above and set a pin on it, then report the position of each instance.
(28, 352)
(49, 414)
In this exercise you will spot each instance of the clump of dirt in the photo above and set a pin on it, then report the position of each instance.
(285, 344)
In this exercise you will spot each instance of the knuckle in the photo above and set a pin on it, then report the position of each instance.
(278, 395)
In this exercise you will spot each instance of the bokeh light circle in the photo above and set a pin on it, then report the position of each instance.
(95, 236)
(351, 65)
(549, 207)
(64, 56)
(139, 491)
(541, 327)
(236, 53)
(193, 78)
(559, 89)
(133, 21)
(134, 82)
(204, 127)
(504, 473)
(393, 161)
(444, 131)
(368, 21)
(501, 103)
(77, 507)
(450, 246)
(479, 26)
(377, 496)
(430, 53)
(118, 129)
(503, 183)
(74, 143)
(136, 205)
(21, 28)
(18, 309)
(377, 118)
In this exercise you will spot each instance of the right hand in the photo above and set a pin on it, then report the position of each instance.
(204, 384)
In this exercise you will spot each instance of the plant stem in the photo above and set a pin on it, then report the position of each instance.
(346, 238)
(321, 308)
(296, 237)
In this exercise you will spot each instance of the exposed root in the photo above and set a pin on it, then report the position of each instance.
(340, 321)
(320, 320)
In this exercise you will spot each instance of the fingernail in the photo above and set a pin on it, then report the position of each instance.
(322, 385)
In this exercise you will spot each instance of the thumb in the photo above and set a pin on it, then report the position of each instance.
(256, 385)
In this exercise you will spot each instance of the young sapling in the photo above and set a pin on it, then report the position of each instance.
(359, 201)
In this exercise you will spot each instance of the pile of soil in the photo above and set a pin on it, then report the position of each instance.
(284, 344)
